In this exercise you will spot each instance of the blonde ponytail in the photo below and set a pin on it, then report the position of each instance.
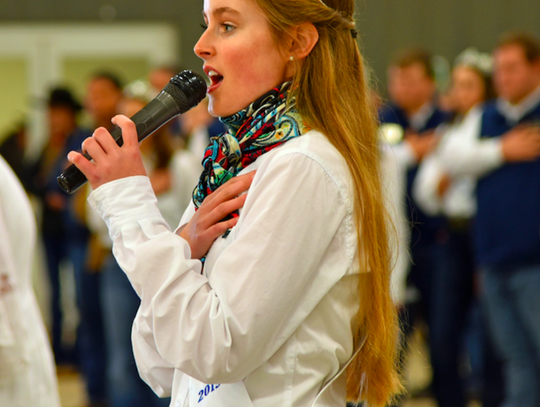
(332, 96)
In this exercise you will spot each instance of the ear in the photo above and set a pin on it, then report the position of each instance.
(304, 38)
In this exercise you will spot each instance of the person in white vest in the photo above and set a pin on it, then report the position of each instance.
(27, 372)
(438, 191)
(281, 296)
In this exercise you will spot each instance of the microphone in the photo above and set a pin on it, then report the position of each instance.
(185, 91)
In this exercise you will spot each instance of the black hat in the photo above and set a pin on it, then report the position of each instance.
(62, 97)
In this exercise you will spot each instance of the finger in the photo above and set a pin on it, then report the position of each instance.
(230, 189)
(83, 149)
(105, 140)
(129, 130)
(94, 149)
(82, 163)
(220, 228)
(223, 210)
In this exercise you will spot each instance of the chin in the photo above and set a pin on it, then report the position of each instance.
(212, 108)
(218, 110)
(211, 111)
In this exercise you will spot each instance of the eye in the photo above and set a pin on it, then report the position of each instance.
(204, 26)
(227, 27)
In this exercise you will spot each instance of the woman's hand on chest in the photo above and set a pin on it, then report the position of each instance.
(208, 222)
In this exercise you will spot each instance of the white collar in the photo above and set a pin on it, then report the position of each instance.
(514, 113)
(421, 117)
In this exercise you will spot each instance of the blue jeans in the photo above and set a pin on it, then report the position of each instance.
(451, 301)
(120, 305)
(512, 300)
(90, 335)
(56, 252)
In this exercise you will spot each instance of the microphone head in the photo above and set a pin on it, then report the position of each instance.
(187, 88)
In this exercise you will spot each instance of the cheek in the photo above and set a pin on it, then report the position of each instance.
(506, 76)
(257, 67)
(478, 93)
(469, 97)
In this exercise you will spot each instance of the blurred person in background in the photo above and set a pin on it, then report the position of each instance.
(438, 192)
(27, 373)
(198, 127)
(504, 155)
(13, 149)
(393, 177)
(158, 78)
(64, 233)
(103, 96)
(407, 125)
(173, 175)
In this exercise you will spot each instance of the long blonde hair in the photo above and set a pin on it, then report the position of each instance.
(332, 97)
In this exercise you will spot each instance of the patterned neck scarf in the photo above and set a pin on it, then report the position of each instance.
(262, 126)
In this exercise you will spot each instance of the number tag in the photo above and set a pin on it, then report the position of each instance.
(218, 395)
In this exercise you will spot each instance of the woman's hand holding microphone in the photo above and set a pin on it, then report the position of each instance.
(111, 162)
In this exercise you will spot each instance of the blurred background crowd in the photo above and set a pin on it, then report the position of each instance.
(457, 90)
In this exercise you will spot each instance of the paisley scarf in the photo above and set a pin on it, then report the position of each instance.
(264, 125)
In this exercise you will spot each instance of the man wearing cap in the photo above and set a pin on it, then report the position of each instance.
(64, 234)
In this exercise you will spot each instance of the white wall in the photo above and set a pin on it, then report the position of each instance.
(45, 47)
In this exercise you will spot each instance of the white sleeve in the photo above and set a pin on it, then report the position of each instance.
(96, 225)
(153, 369)
(133, 198)
(426, 183)
(7, 273)
(16, 347)
(465, 153)
(261, 288)
(403, 153)
(393, 185)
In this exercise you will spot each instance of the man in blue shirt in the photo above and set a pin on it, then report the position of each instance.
(413, 108)
(413, 115)
(507, 229)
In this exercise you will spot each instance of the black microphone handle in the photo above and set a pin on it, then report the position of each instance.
(154, 115)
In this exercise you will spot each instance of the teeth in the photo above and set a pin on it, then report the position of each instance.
(212, 73)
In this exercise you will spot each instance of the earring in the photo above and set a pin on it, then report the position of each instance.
(291, 58)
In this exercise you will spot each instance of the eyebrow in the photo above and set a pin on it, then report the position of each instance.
(222, 10)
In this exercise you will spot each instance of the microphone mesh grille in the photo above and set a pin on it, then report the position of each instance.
(187, 88)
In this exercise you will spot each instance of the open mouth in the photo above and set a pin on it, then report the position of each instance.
(215, 78)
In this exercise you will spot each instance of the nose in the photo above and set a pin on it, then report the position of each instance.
(204, 48)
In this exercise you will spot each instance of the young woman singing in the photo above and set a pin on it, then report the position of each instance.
(296, 286)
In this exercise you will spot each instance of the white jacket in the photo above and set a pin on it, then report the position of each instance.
(27, 373)
(463, 156)
(272, 308)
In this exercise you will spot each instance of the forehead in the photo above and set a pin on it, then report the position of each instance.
(465, 72)
(60, 109)
(102, 84)
(409, 72)
(217, 7)
(510, 52)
